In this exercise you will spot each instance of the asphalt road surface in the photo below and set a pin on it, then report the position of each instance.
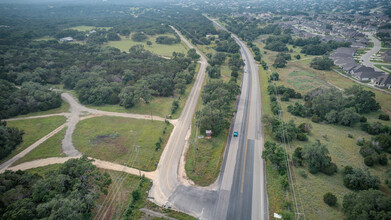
(240, 189)
(367, 57)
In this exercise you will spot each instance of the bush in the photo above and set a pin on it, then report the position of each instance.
(315, 118)
(302, 137)
(360, 141)
(350, 136)
(330, 169)
(384, 117)
(356, 179)
(383, 160)
(369, 161)
(330, 199)
(284, 182)
(363, 119)
(297, 157)
(303, 174)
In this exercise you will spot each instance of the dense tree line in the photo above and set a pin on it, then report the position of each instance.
(66, 193)
(29, 97)
(217, 97)
(10, 138)
(367, 204)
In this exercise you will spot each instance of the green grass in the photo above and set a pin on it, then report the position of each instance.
(88, 28)
(385, 68)
(34, 129)
(160, 49)
(343, 150)
(50, 148)
(63, 108)
(42, 171)
(44, 38)
(112, 139)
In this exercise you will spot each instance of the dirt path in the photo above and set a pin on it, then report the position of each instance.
(99, 163)
(9, 162)
(39, 116)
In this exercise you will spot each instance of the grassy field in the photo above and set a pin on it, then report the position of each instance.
(50, 148)
(160, 49)
(112, 139)
(159, 106)
(343, 150)
(44, 38)
(63, 108)
(34, 129)
(88, 28)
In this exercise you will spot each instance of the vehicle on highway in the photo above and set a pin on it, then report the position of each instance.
(235, 133)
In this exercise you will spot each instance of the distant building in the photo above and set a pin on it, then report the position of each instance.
(66, 39)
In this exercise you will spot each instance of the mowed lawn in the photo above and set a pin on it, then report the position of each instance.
(52, 147)
(343, 150)
(112, 139)
(160, 49)
(34, 129)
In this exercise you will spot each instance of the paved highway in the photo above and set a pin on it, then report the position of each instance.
(248, 197)
(240, 189)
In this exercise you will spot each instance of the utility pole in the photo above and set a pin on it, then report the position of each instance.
(138, 161)
(196, 143)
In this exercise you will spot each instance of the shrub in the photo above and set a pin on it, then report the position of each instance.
(360, 141)
(330, 169)
(284, 182)
(384, 117)
(350, 136)
(330, 199)
(363, 119)
(303, 174)
(317, 158)
(356, 179)
(302, 137)
(369, 161)
(383, 160)
(297, 157)
(315, 118)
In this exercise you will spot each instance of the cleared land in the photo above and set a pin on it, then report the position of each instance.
(88, 28)
(160, 49)
(112, 139)
(343, 150)
(50, 148)
(34, 129)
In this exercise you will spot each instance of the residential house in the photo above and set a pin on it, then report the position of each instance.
(364, 73)
(383, 81)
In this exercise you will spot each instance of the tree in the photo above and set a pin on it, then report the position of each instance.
(330, 199)
(317, 158)
(279, 62)
(111, 36)
(276, 155)
(356, 179)
(127, 97)
(138, 36)
(348, 117)
(322, 63)
(274, 76)
(10, 138)
(192, 54)
(367, 204)
(362, 100)
(298, 57)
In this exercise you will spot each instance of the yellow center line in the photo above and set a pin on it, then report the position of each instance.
(245, 149)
